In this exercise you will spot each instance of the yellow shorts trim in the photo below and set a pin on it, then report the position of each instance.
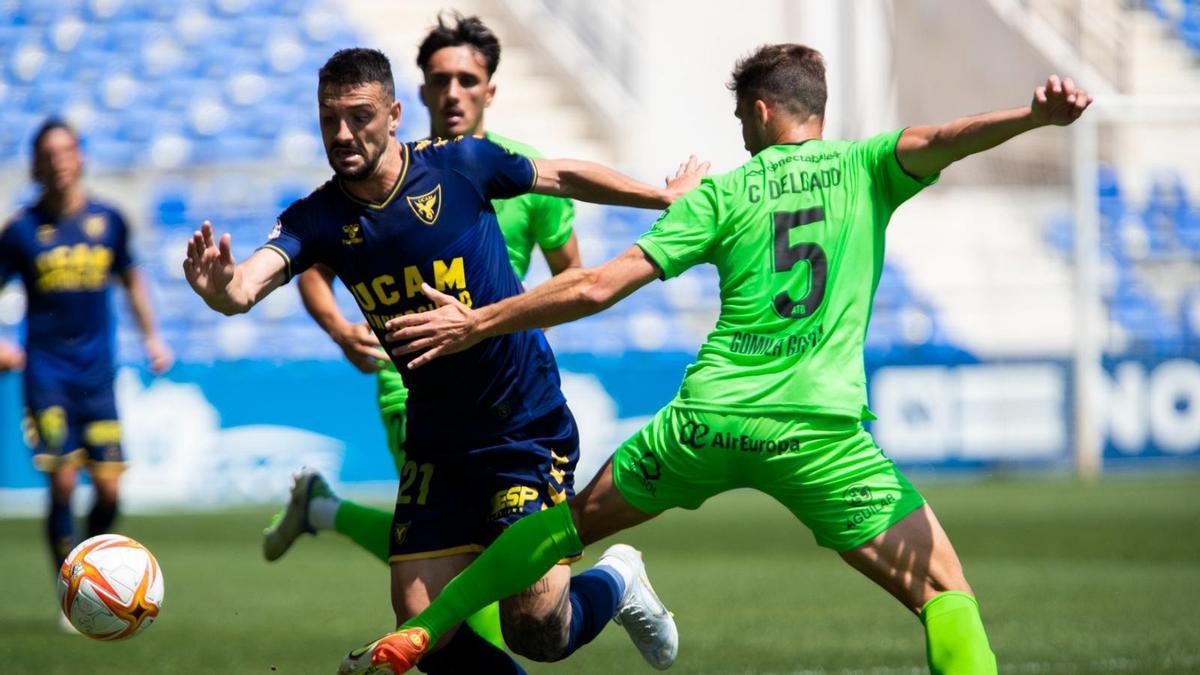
(106, 469)
(50, 463)
(439, 553)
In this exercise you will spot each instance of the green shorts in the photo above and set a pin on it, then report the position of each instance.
(394, 421)
(827, 471)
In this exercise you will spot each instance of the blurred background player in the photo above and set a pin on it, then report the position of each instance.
(458, 59)
(777, 397)
(490, 431)
(67, 247)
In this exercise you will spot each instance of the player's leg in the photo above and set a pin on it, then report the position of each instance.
(49, 435)
(830, 473)
(649, 473)
(460, 650)
(516, 561)
(60, 522)
(433, 535)
(915, 562)
(101, 432)
(313, 506)
(558, 614)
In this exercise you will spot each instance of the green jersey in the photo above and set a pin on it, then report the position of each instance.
(797, 236)
(531, 218)
(525, 220)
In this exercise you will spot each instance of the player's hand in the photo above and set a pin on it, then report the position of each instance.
(687, 177)
(448, 329)
(12, 357)
(161, 356)
(1058, 102)
(361, 347)
(209, 264)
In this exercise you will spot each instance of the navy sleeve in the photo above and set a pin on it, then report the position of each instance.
(122, 257)
(9, 254)
(293, 239)
(498, 173)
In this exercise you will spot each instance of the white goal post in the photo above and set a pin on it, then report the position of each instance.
(1093, 137)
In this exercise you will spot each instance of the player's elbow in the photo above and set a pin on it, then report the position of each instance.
(594, 294)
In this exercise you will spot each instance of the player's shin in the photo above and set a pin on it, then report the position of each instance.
(60, 530)
(366, 526)
(955, 641)
(467, 652)
(102, 516)
(513, 562)
(594, 595)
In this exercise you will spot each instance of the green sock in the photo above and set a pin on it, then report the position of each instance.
(366, 526)
(955, 641)
(370, 527)
(519, 557)
(486, 624)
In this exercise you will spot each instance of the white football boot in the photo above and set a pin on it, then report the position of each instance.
(642, 615)
(292, 522)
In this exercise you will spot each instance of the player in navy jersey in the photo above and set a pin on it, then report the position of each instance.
(489, 429)
(67, 248)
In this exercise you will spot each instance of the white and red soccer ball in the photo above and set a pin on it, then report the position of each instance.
(110, 587)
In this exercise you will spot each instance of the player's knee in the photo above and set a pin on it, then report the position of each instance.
(539, 638)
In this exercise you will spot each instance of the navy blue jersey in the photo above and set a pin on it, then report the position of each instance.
(66, 265)
(436, 227)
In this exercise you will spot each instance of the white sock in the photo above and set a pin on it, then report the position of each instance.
(623, 570)
(322, 512)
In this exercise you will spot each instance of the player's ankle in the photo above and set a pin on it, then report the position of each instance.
(322, 512)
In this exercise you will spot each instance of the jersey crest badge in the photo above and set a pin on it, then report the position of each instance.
(351, 234)
(45, 234)
(276, 231)
(426, 207)
(95, 225)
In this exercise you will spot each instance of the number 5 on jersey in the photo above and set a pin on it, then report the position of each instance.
(788, 254)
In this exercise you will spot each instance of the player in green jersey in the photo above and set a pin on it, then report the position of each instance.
(776, 398)
(458, 87)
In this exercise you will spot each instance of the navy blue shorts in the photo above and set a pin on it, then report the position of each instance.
(71, 423)
(459, 499)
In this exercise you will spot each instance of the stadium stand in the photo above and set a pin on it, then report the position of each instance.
(168, 88)
(1150, 307)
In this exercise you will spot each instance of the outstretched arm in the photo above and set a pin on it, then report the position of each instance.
(592, 182)
(358, 343)
(225, 286)
(926, 150)
(572, 295)
(160, 354)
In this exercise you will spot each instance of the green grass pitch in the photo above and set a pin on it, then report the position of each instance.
(1072, 578)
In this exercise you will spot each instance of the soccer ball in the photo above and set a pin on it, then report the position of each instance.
(110, 587)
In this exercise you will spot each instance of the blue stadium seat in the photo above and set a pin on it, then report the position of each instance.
(1189, 26)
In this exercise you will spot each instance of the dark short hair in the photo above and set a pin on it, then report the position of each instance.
(470, 31)
(789, 75)
(50, 124)
(357, 65)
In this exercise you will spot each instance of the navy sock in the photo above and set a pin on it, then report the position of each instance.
(60, 531)
(466, 652)
(101, 517)
(595, 595)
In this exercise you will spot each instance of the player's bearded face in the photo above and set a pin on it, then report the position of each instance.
(456, 91)
(58, 163)
(356, 122)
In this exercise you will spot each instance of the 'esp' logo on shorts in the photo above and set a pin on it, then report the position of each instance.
(513, 499)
